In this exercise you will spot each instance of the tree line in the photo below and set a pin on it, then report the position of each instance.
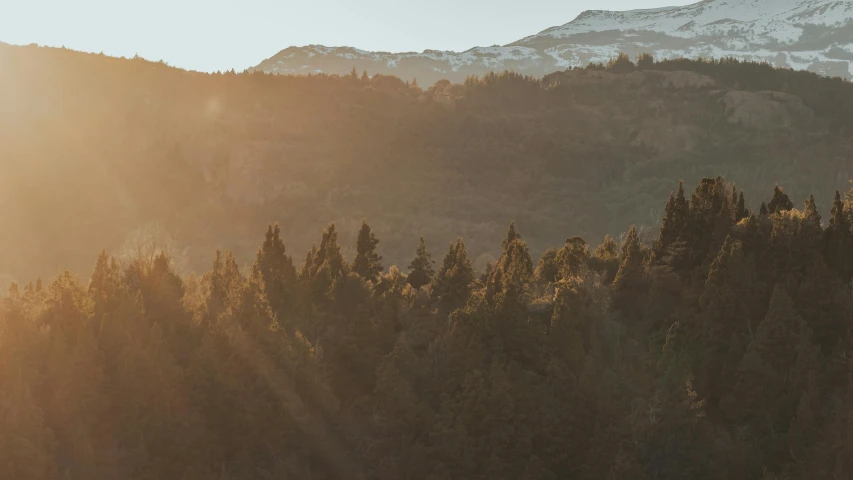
(719, 349)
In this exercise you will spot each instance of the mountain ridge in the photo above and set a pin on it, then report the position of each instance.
(813, 35)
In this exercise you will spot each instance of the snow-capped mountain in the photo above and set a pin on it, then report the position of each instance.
(815, 35)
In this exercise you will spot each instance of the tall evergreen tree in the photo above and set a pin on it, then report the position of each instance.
(731, 310)
(275, 268)
(741, 211)
(367, 262)
(323, 266)
(780, 201)
(605, 260)
(514, 268)
(421, 269)
(838, 241)
(810, 213)
(106, 285)
(631, 280)
(675, 216)
(769, 365)
(455, 278)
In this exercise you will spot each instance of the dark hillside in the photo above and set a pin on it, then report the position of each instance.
(93, 148)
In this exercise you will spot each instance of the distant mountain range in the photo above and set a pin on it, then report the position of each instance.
(814, 35)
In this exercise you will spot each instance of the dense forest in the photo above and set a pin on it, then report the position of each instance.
(95, 149)
(720, 348)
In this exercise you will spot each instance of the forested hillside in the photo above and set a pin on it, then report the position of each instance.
(93, 149)
(721, 349)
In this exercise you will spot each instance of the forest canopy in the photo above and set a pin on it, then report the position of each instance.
(720, 348)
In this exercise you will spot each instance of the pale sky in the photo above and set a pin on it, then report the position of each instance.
(211, 35)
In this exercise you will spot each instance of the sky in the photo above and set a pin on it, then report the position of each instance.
(210, 35)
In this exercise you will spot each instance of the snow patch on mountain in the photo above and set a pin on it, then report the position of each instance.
(811, 35)
(776, 19)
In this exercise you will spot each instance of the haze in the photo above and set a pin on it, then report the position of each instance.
(224, 34)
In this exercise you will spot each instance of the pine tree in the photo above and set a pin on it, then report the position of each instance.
(323, 266)
(605, 260)
(275, 268)
(106, 285)
(631, 282)
(511, 236)
(733, 200)
(224, 282)
(445, 270)
(367, 262)
(741, 212)
(682, 208)
(780, 201)
(731, 310)
(671, 226)
(329, 253)
(766, 368)
(838, 241)
(421, 270)
(573, 257)
(810, 213)
(645, 61)
(548, 271)
(514, 269)
(763, 210)
(455, 278)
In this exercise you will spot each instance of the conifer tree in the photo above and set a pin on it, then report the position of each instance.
(838, 241)
(106, 284)
(446, 268)
(740, 211)
(275, 268)
(323, 267)
(224, 282)
(645, 61)
(548, 271)
(763, 210)
(631, 280)
(682, 207)
(367, 262)
(733, 203)
(731, 304)
(670, 228)
(329, 253)
(573, 257)
(421, 270)
(514, 268)
(780, 201)
(453, 283)
(767, 366)
(810, 213)
(605, 260)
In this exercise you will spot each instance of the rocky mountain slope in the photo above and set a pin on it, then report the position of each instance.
(813, 35)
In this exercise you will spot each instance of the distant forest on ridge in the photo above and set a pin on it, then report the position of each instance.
(96, 150)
